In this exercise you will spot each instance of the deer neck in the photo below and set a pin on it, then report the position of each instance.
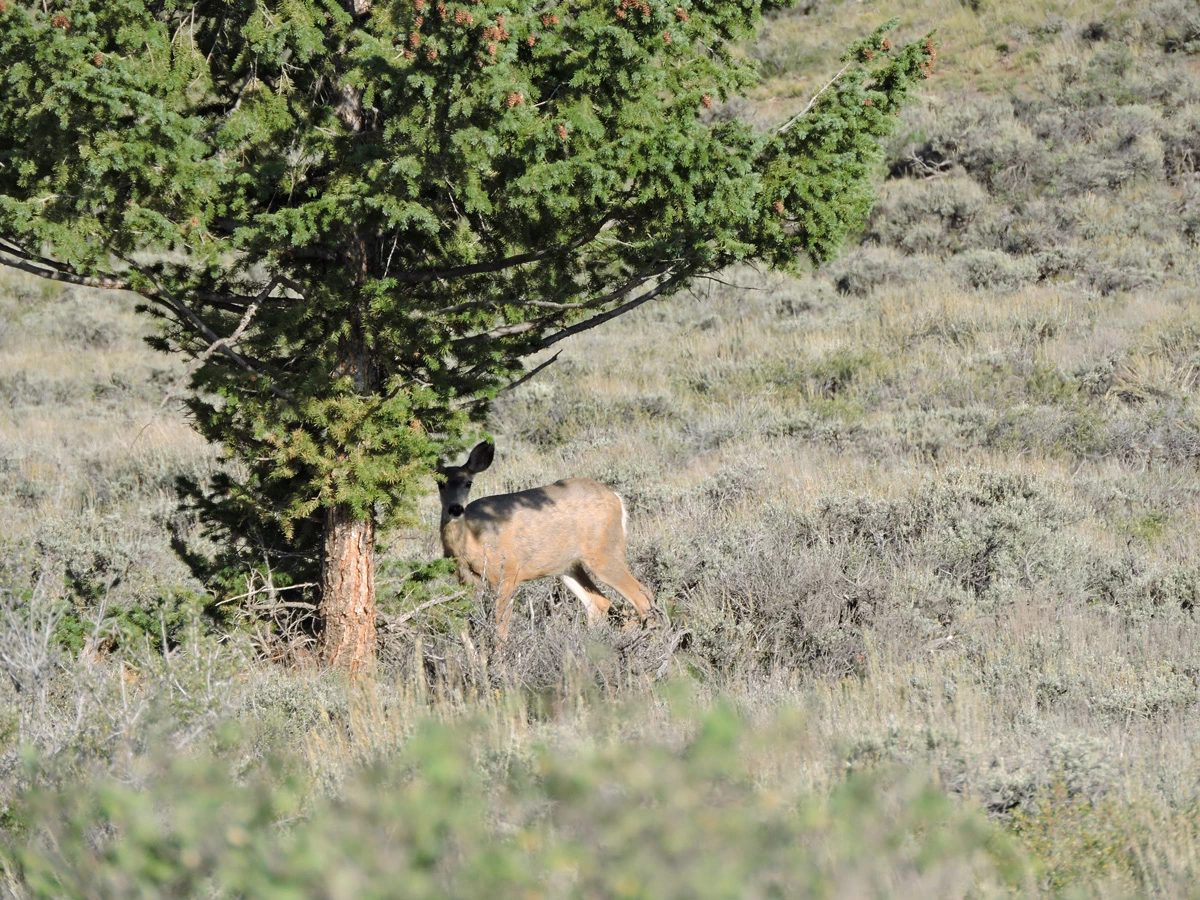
(454, 537)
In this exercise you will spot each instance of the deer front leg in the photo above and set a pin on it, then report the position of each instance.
(467, 577)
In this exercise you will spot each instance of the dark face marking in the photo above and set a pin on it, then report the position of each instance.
(454, 482)
(454, 488)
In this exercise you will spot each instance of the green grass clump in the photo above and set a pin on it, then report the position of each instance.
(1123, 847)
(452, 815)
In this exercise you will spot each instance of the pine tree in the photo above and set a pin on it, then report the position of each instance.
(360, 219)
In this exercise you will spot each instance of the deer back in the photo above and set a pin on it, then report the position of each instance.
(538, 532)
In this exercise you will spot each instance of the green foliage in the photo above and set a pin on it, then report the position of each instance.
(360, 225)
(621, 819)
(1076, 839)
(159, 623)
(252, 546)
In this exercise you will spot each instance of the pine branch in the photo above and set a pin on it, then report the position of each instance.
(530, 374)
(210, 350)
(485, 268)
(673, 281)
(59, 272)
(46, 270)
(470, 305)
(533, 324)
(182, 312)
(54, 270)
(15, 248)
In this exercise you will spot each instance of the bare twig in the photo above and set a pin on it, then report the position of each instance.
(53, 270)
(392, 622)
(182, 312)
(516, 328)
(530, 374)
(252, 592)
(57, 274)
(212, 348)
(796, 118)
(475, 401)
(676, 639)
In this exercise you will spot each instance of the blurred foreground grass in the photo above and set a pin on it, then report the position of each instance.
(462, 810)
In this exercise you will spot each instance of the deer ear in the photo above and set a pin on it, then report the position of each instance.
(481, 457)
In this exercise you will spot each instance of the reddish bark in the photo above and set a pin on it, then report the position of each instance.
(348, 591)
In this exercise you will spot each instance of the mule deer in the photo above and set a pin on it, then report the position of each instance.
(574, 528)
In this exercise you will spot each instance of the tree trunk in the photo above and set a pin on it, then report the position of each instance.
(347, 609)
(348, 590)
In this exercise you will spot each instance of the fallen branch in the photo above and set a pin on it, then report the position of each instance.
(394, 622)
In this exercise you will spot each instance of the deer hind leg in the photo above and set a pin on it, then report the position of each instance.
(504, 605)
(616, 574)
(580, 584)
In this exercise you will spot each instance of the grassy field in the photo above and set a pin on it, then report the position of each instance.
(926, 523)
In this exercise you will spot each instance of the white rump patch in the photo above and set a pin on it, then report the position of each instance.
(577, 589)
(594, 612)
(624, 515)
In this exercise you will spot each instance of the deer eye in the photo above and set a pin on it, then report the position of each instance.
(468, 483)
